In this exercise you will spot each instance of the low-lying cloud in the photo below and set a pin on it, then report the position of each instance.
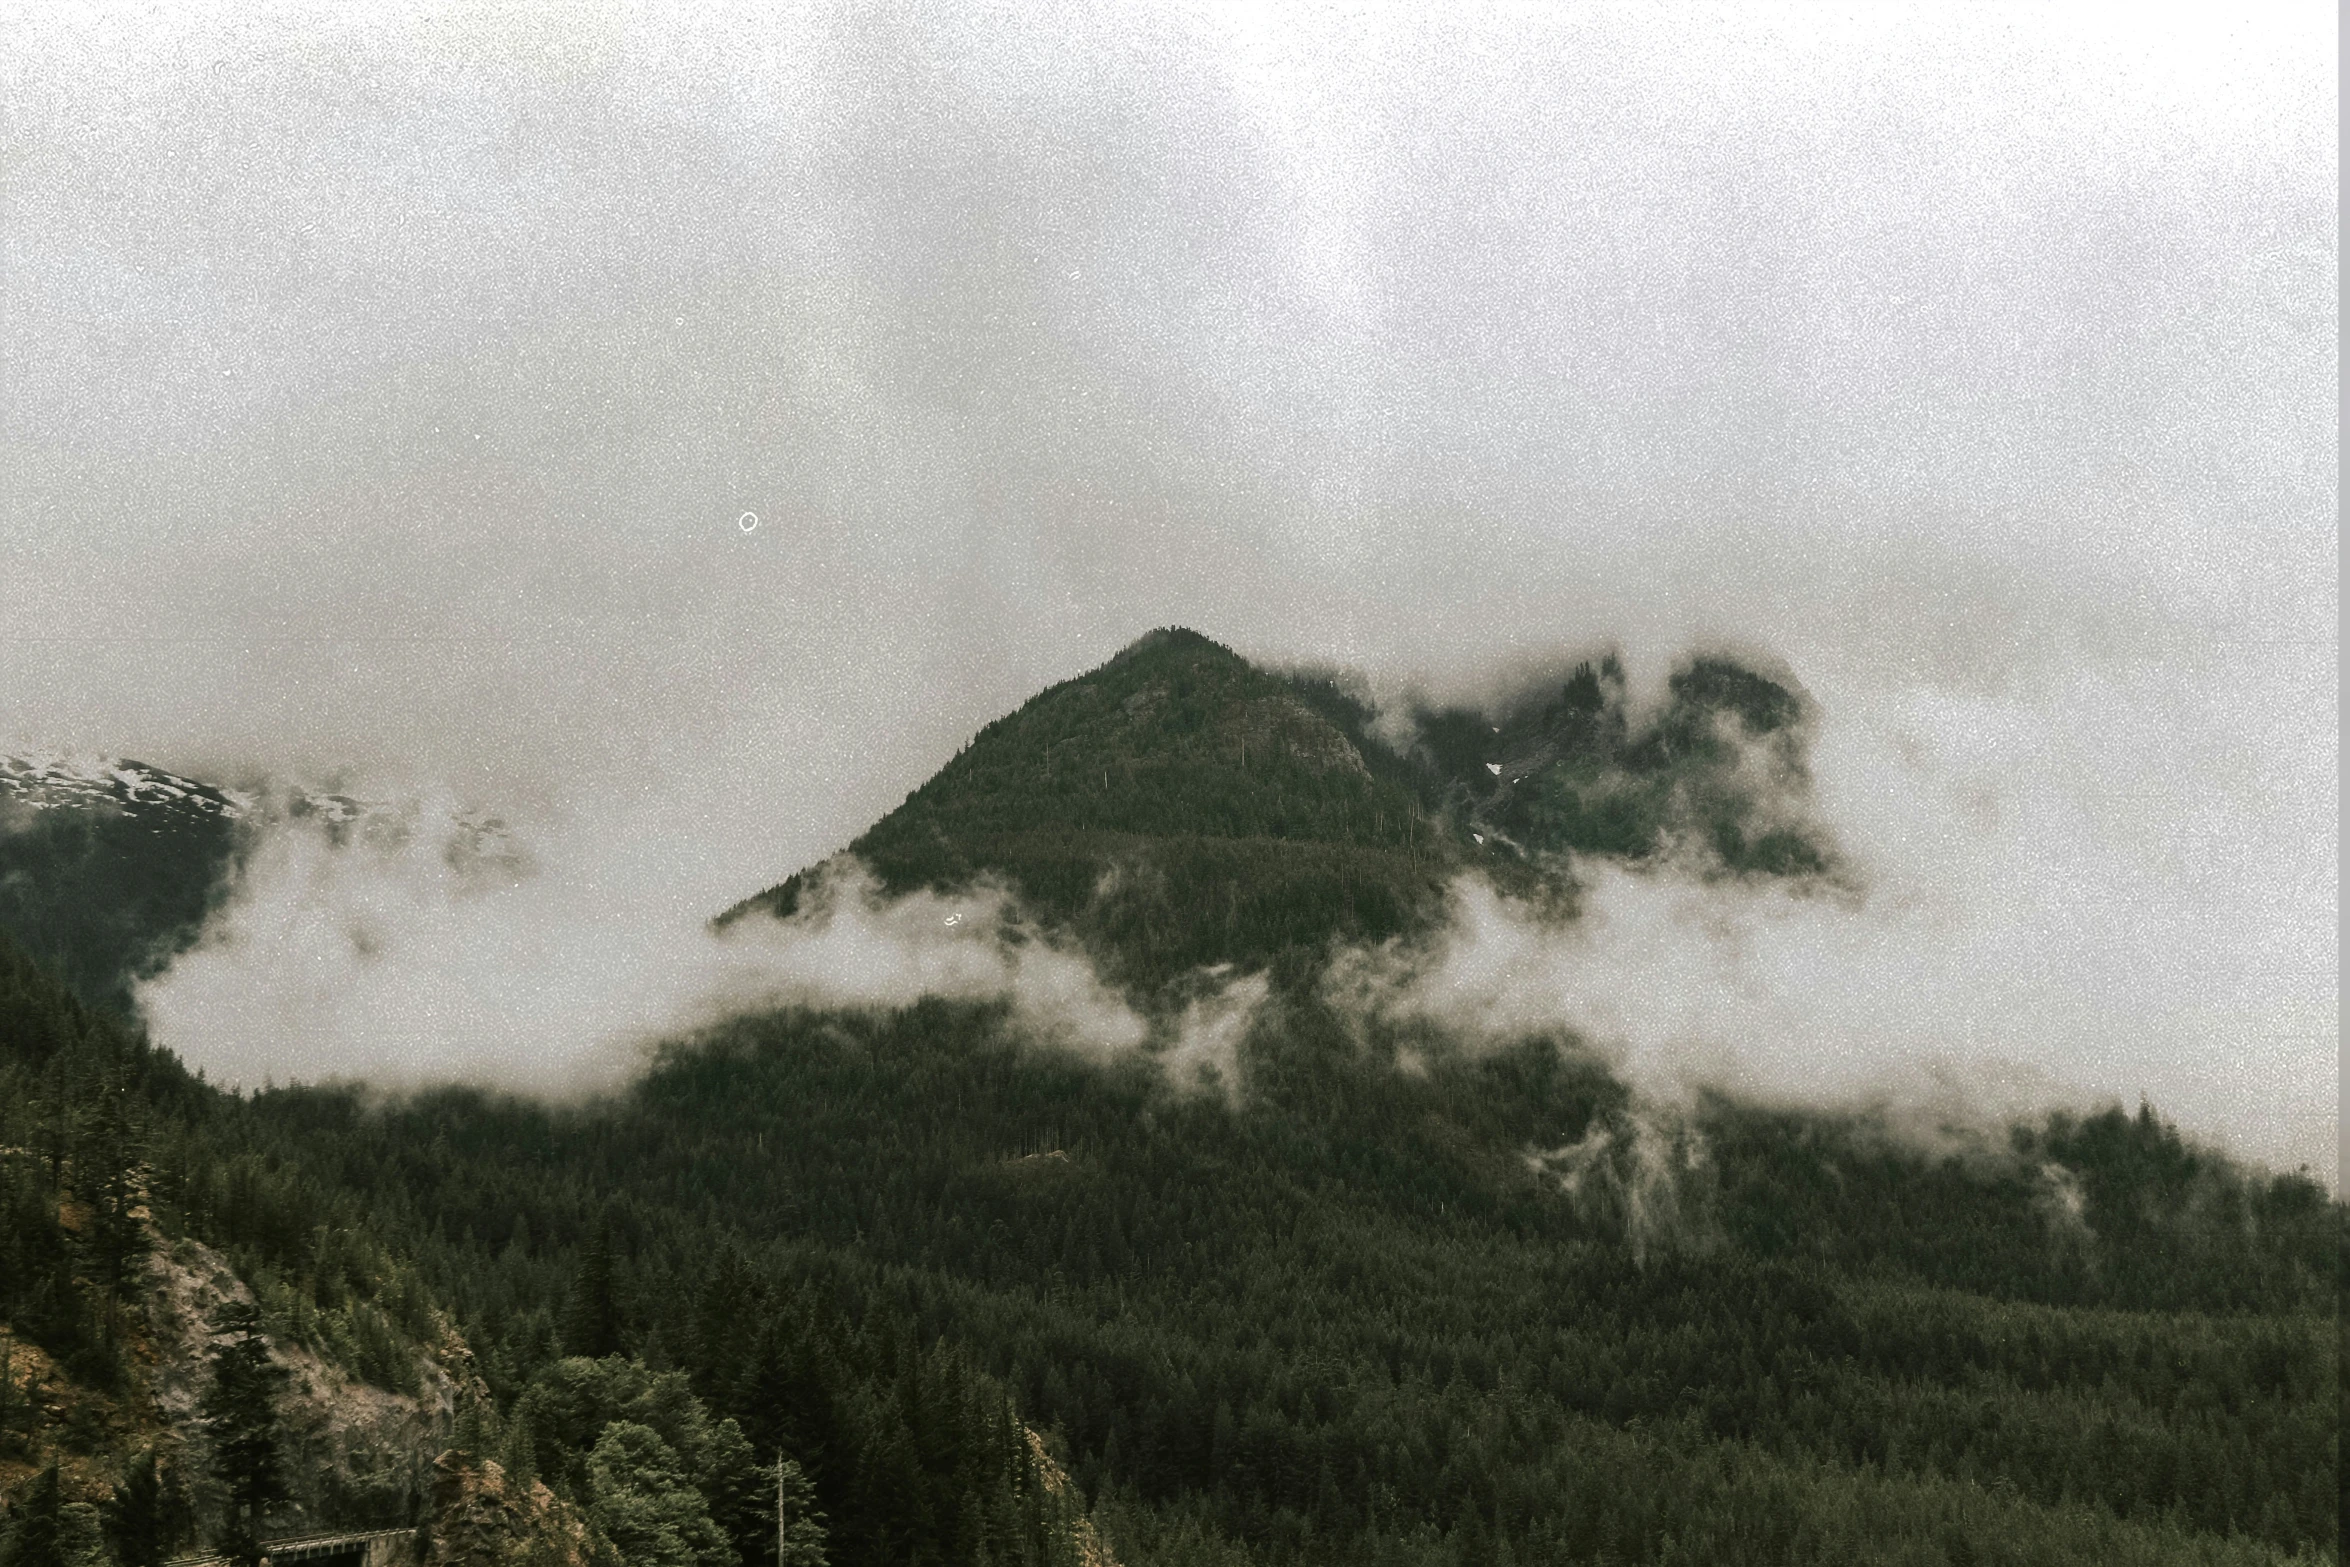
(402, 956)
(387, 387)
(2043, 897)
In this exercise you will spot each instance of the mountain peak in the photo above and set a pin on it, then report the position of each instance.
(1173, 642)
(1177, 806)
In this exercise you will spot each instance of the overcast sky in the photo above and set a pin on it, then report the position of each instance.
(383, 390)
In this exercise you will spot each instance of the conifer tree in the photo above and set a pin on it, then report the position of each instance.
(15, 1400)
(240, 1416)
(146, 1517)
(733, 1481)
(45, 1530)
(520, 1455)
(593, 1326)
(108, 1170)
(36, 1531)
(800, 1533)
(641, 1501)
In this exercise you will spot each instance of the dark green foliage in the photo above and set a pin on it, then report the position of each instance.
(741, 1494)
(36, 1533)
(592, 1326)
(240, 1419)
(571, 1401)
(20, 1413)
(800, 1532)
(1583, 697)
(76, 1094)
(641, 1500)
(1762, 705)
(1347, 1323)
(147, 1517)
(106, 894)
(1178, 809)
(1719, 767)
(919, 1458)
(109, 1170)
(1175, 737)
(1482, 1310)
(94, 1125)
(2162, 1228)
(915, 1460)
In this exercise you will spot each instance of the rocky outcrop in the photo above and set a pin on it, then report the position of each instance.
(354, 1453)
(1092, 1549)
(480, 1518)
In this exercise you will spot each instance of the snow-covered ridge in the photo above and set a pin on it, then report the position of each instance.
(48, 781)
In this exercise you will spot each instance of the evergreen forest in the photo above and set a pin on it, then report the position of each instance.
(950, 1295)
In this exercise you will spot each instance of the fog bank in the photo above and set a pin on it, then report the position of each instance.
(679, 433)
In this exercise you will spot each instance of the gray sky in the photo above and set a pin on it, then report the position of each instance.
(381, 388)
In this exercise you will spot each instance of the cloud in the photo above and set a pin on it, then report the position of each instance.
(1204, 1054)
(1640, 1173)
(383, 385)
(402, 956)
(2048, 898)
(852, 946)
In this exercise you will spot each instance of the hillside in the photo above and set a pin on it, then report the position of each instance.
(1493, 1312)
(1179, 808)
(141, 1211)
(1716, 774)
(990, 1301)
(109, 867)
(1175, 809)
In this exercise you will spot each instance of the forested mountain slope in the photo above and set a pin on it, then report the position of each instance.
(108, 868)
(1179, 808)
(1347, 1321)
(140, 1210)
(978, 1295)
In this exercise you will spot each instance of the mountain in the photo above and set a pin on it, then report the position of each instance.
(108, 867)
(1180, 809)
(965, 1296)
(1717, 772)
(1176, 810)
(151, 1224)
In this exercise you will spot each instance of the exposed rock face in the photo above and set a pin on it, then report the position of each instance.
(1284, 726)
(354, 1454)
(1092, 1549)
(481, 1519)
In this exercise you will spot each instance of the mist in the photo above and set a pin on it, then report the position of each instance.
(678, 435)
(2010, 928)
(398, 959)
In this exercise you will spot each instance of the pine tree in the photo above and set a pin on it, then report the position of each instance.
(108, 1171)
(15, 1405)
(593, 1326)
(800, 1527)
(240, 1416)
(641, 1501)
(732, 1480)
(36, 1531)
(519, 1455)
(145, 1518)
(723, 1319)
